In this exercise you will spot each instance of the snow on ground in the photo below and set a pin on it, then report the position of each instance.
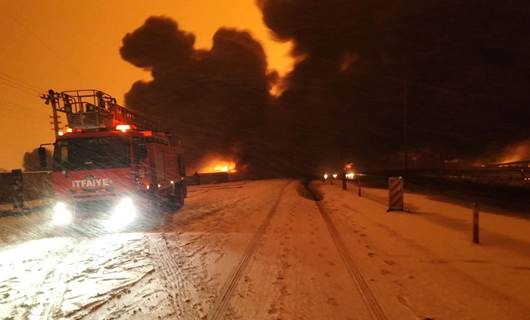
(7, 207)
(24, 226)
(171, 270)
(267, 250)
(296, 272)
(426, 260)
(65, 277)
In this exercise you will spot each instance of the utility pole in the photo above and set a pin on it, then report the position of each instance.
(54, 110)
(405, 125)
(51, 98)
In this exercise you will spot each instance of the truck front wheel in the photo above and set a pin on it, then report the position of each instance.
(181, 194)
(178, 196)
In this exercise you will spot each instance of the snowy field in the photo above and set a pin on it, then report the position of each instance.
(267, 250)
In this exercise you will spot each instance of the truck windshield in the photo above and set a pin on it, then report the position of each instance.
(92, 153)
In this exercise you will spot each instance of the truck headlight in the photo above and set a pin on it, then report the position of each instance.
(61, 214)
(122, 214)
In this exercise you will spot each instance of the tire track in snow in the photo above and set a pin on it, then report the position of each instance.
(218, 310)
(54, 279)
(362, 286)
(171, 271)
(59, 279)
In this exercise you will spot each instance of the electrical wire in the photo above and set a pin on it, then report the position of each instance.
(7, 78)
(26, 91)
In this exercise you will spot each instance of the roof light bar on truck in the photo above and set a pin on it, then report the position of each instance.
(93, 109)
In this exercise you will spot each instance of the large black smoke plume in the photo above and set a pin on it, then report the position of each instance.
(214, 99)
(461, 68)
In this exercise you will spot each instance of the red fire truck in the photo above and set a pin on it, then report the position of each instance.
(110, 157)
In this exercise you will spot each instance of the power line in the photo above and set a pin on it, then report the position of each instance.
(23, 83)
(16, 85)
(22, 89)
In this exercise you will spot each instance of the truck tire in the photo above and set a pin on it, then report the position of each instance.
(177, 198)
(181, 194)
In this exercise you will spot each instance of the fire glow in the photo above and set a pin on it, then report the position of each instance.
(516, 152)
(220, 166)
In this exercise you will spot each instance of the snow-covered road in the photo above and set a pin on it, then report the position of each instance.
(267, 250)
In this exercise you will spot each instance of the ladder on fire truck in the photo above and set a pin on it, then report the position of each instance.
(93, 109)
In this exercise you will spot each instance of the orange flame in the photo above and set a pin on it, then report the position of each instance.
(225, 167)
(220, 166)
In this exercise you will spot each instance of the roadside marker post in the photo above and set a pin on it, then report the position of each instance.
(395, 194)
(344, 182)
(359, 186)
(17, 189)
(475, 223)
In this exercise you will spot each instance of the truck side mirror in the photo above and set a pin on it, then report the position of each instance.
(43, 160)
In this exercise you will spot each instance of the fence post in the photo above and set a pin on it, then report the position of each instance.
(475, 223)
(17, 191)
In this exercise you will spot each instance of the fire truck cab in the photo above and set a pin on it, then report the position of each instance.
(109, 157)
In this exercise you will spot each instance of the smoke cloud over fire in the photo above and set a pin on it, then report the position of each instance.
(459, 69)
(213, 99)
